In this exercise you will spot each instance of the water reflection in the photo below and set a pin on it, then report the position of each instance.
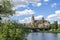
(43, 36)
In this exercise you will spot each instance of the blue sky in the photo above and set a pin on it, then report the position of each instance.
(49, 9)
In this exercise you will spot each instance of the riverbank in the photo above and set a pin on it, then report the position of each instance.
(51, 31)
(48, 31)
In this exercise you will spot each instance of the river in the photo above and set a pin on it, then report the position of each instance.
(43, 36)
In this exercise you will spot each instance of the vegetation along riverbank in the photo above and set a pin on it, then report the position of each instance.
(12, 30)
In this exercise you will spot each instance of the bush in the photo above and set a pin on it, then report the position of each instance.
(8, 31)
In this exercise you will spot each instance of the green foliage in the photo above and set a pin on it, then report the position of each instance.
(58, 29)
(8, 31)
(54, 25)
(6, 8)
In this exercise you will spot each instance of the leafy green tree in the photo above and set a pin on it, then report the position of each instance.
(54, 25)
(8, 31)
(6, 8)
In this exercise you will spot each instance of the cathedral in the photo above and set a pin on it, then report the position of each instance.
(40, 23)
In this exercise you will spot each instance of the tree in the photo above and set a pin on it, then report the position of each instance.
(6, 8)
(56, 24)
(52, 26)
(1, 8)
(8, 31)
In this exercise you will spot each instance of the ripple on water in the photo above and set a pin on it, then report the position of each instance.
(43, 36)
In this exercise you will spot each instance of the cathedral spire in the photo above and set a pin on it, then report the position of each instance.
(32, 21)
(43, 19)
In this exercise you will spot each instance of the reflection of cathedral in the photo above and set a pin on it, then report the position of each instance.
(40, 23)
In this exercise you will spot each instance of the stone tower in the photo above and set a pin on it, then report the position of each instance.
(42, 22)
(32, 21)
(42, 19)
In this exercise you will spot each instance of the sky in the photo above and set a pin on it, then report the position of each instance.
(24, 9)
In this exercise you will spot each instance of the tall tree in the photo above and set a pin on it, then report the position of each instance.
(6, 8)
(56, 24)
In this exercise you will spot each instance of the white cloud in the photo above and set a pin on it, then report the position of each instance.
(25, 12)
(46, 0)
(53, 5)
(58, 11)
(28, 19)
(25, 20)
(19, 3)
(25, 3)
(38, 17)
(39, 4)
(4, 19)
(21, 21)
(55, 16)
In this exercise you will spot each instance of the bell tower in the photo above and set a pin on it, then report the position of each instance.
(42, 22)
(42, 19)
(32, 21)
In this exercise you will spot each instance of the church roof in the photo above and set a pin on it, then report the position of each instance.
(40, 21)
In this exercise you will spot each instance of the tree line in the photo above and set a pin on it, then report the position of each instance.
(9, 30)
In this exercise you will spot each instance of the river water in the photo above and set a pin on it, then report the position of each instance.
(43, 36)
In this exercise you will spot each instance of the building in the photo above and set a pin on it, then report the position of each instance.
(40, 23)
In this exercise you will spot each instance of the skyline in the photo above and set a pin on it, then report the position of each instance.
(49, 9)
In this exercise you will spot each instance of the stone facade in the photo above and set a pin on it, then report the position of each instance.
(32, 19)
(40, 23)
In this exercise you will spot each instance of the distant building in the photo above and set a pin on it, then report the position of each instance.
(40, 23)
(32, 21)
